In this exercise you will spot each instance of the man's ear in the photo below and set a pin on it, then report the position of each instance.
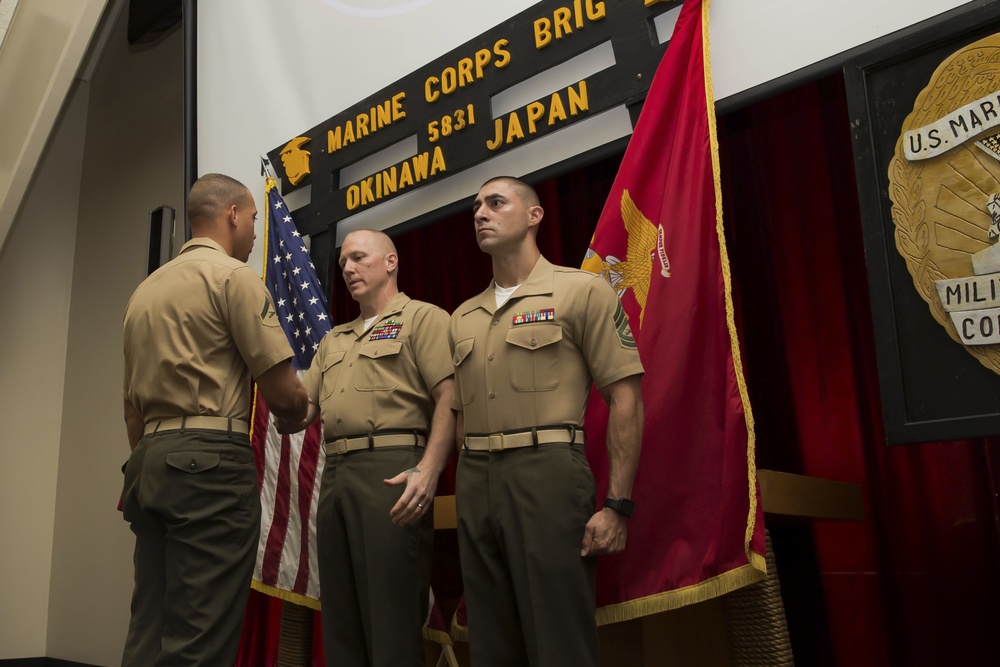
(535, 214)
(231, 216)
(391, 262)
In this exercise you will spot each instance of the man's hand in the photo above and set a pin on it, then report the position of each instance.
(417, 496)
(605, 534)
(282, 425)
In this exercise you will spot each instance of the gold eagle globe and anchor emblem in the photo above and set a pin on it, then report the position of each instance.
(944, 183)
(636, 271)
(295, 160)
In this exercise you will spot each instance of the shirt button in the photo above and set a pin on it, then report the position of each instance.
(492, 395)
(339, 420)
(351, 364)
(496, 322)
(534, 342)
(341, 390)
(491, 357)
(193, 465)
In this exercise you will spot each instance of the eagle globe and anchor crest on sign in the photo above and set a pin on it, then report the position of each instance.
(944, 183)
(635, 271)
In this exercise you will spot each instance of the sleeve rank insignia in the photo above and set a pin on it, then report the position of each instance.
(386, 330)
(542, 315)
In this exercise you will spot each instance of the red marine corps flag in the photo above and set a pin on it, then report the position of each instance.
(698, 529)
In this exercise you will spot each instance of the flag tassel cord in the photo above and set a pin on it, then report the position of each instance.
(287, 596)
(756, 560)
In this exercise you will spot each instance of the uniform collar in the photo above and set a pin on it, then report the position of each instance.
(357, 325)
(202, 242)
(540, 281)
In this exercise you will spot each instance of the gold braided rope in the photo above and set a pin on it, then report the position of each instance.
(295, 641)
(755, 622)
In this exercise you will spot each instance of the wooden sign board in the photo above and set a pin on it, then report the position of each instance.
(449, 106)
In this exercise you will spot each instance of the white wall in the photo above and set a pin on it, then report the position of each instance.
(75, 252)
(36, 268)
(132, 163)
(42, 50)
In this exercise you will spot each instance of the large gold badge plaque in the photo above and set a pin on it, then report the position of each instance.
(944, 183)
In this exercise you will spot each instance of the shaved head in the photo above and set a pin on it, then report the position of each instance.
(211, 195)
(522, 189)
(380, 241)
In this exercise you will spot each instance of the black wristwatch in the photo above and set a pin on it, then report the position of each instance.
(623, 506)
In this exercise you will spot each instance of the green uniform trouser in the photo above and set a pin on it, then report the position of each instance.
(530, 596)
(374, 576)
(193, 502)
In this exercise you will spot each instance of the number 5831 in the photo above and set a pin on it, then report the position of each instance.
(453, 122)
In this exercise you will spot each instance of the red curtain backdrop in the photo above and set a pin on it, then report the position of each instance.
(908, 585)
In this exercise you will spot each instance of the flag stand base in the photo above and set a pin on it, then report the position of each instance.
(295, 642)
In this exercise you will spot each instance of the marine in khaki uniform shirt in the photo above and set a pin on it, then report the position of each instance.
(526, 352)
(383, 386)
(195, 331)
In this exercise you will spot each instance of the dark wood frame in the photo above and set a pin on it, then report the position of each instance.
(941, 392)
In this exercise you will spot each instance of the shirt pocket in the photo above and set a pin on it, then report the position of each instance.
(379, 361)
(331, 366)
(463, 369)
(533, 356)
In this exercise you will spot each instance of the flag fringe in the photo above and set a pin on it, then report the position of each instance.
(726, 582)
(728, 292)
(700, 592)
(437, 636)
(288, 596)
(459, 632)
(268, 184)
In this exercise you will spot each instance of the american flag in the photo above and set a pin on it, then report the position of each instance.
(289, 467)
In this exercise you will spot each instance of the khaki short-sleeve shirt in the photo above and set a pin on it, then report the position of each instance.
(380, 378)
(195, 331)
(532, 361)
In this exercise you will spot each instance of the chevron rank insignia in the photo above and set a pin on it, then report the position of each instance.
(527, 317)
(623, 329)
(386, 330)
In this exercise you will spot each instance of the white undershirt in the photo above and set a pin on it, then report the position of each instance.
(369, 322)
(503, 293)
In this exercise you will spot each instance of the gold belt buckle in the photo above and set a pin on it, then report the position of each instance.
(496, 438)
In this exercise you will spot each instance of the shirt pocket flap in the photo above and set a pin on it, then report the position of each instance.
(333, 359)
(462, 350)
(384, 348)
(535, 336)
(192, 462)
